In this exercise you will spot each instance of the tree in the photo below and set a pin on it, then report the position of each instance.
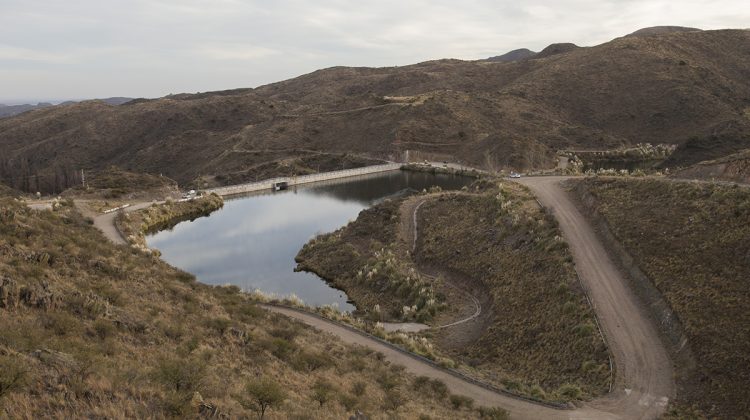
(322, 391)
(264, 394)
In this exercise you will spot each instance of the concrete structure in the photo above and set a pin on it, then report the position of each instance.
(267, 184)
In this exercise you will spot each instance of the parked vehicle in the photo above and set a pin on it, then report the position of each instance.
(515, 175)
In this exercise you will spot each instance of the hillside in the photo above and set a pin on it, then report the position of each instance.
(93, 330)
(535, 333)
(691, 89)
(690, 242)
(733, 168)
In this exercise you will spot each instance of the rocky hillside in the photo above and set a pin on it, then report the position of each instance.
(691, 89)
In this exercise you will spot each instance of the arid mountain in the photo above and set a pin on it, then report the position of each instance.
(515, 55)
(11, 110)
(691, 89)
(661, 30)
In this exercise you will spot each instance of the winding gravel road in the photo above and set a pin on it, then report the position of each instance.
(643, 381)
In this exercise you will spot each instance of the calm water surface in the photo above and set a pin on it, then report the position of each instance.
(253, 240)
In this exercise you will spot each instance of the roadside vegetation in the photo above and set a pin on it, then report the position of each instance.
(363, 259)
(537, 335)
(540, 336)
(90, 329)
(692, 241)
(134, 226)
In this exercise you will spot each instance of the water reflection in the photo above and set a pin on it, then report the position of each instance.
(252, 241)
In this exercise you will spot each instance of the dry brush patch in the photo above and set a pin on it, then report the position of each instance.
(692, 241)
(97, 330)
(541, 338)
(134, 226)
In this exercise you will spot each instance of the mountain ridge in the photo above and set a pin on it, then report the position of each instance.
(691, 89)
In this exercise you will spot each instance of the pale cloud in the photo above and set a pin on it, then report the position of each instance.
(97, 48)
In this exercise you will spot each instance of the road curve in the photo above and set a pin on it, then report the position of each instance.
(106, 223)
(643, 381)
(643, 370)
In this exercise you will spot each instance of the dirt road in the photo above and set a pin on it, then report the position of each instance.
(643, 381)
(106, 223)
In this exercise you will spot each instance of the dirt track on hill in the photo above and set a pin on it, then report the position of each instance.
(643, 371)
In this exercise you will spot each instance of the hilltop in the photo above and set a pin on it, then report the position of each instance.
(691, 89)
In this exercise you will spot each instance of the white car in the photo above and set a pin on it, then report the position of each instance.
(515, 175)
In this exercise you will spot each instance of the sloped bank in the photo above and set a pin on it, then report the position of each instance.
(685, 247)
(135, 226)
(501, 240)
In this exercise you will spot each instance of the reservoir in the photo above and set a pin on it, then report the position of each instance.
(252, 241)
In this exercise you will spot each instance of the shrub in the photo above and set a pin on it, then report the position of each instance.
(13, 375)
(310, 362)
(282, 348)
(348, 401)
(493, 413)
(458, 401)
(430, 387)
(104, 328)
(388, 381)
(393, 400)
(220, 325)
(569, 391)
(359, 388)
(322, 391)
(181, 375)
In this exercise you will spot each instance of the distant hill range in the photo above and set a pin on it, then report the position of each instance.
(684, 87)
(11, 110)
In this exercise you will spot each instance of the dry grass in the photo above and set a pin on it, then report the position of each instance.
(98, 330)
(539, 338)
(693, 242)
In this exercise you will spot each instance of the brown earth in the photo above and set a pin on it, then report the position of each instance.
(686, 88)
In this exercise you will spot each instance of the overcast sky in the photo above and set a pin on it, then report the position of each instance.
(70, 49)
